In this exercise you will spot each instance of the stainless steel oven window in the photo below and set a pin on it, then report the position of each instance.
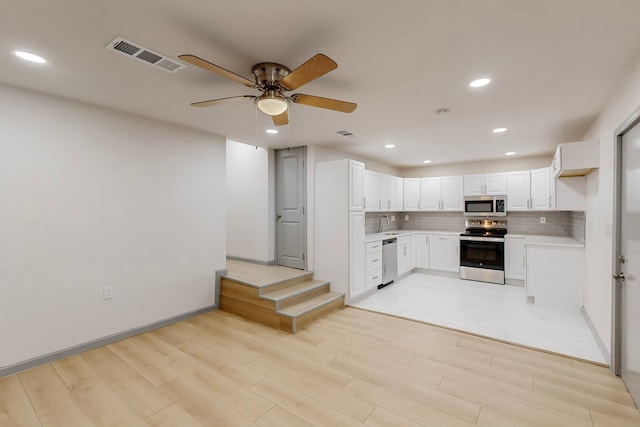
(482, 254)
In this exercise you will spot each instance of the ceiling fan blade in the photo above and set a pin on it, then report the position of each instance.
(220, 101)
(328, 103)
(206, 65)
(315, 67)
(280, 119)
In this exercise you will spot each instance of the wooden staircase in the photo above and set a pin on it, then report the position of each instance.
(279, 297)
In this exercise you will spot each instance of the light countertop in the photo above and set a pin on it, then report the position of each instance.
(374, 237)
(538, 240)
(530, 239)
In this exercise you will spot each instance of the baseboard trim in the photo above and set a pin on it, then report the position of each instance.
(601, 346)
(252, 261)
(76, 349)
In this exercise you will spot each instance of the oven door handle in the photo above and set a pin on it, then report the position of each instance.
(482, 239)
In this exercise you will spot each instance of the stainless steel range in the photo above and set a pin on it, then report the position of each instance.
(482, 250)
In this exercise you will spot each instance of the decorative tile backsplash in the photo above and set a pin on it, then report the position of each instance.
(557, 223)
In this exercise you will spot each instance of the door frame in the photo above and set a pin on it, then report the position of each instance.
(304, 198)
(616, 303)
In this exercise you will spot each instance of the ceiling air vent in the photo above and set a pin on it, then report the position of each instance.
(141, 53)
(346, 133)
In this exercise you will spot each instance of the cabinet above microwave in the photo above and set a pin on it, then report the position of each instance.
(575, 159)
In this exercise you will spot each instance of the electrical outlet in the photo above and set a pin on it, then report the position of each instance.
(107, 292)
(393, 218)
(406, 217)
(543, 220)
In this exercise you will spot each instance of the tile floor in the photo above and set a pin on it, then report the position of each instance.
(486, 309)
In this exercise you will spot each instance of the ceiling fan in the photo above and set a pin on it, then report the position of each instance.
(273, 80)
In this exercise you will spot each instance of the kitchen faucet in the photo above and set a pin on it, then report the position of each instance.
(380, 222)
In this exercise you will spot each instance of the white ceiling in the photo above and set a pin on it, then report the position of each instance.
(553, 64)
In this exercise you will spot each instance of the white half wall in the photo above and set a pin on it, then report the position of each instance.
(93, 198)
(600, 190)
(250, 211)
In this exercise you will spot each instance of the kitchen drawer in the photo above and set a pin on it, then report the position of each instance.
(404, 240)
(373, 261)
(452, 240)
(372, 247)
(374, 278)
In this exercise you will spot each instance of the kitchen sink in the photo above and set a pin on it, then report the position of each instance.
(390, 234)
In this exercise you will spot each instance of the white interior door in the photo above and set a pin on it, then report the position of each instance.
(290, 207)
(628, 261)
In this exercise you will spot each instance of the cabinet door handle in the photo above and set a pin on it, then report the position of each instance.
(374, 260)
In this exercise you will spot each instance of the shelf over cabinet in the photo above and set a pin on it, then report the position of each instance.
(575, 158)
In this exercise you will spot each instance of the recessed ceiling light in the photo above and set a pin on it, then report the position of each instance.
(510, 153)
(427, 161)
(29, 57)
(389, 146)
(480, 82)
(272, 131)
(499, 130)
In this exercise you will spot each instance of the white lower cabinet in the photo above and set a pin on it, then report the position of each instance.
(422, 250)
(556, 276)
(405, 256)
(444, 253)
(373, 265)
(357, 283)
(514, 258)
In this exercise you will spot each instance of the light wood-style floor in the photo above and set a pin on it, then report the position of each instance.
(351, 368)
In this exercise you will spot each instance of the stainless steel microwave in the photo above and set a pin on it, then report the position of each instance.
(485, 206)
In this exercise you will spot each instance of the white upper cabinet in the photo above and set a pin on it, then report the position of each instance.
(495, 184)
(372, 191)
(518, 190)
(383, 192)
(528, 190)
(540, 189)
(568, 194)
(356, 186)
(485, 185)
(411, 194)
(451, 193)
(437, 194)
(429, 194)
(396, 193)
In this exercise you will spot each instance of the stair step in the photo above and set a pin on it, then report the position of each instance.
(304, 276)
(288, 296)
(310, 304)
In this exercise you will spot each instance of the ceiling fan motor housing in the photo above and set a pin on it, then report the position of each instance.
(269, 74)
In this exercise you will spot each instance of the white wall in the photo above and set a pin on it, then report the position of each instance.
(490, 166)
(250, 225)
(600, 189)
(90, 198)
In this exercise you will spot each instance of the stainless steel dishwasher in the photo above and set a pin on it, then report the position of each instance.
(389, 261)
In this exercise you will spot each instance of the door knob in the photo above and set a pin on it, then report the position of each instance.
(278, 217)
(619, 276)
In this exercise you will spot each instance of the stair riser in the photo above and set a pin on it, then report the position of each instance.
(250, 311)
(239, 291)
(296, 324)
(286, 283)
(302, 297)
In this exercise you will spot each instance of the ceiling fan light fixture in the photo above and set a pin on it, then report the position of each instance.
(272, 104)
